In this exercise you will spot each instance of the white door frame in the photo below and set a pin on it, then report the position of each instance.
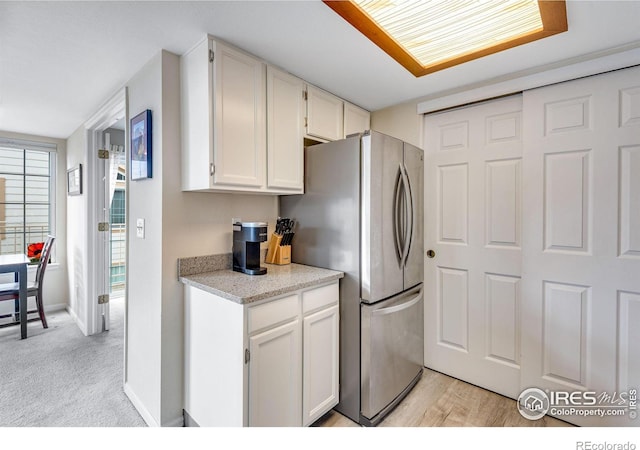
(114, 109)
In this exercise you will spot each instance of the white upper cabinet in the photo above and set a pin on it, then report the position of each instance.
(356, 120)
(223, 119)
(239, 132)
(197, 118)
(325, 115)
(244, 122)
(285, 131)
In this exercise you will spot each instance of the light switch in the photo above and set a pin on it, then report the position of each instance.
(140, 228)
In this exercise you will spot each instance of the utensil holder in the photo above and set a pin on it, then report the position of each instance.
(276, 253)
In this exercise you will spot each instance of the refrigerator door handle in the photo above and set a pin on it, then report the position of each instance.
(408, 199)
(397, 218)
(399, 307)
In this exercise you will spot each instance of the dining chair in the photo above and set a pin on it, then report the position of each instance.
(10, 291)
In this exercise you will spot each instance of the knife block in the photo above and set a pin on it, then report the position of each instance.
(276, 253)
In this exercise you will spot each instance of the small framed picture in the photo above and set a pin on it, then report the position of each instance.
(141, 154)
(74, 180)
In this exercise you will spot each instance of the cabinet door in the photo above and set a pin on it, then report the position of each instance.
(285, 131)
(320, 366)
(239, 133)
(274, 377)
(197, 148)
(356, 120)
(324, 114)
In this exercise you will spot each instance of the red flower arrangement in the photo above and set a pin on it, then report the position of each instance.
(34, 251)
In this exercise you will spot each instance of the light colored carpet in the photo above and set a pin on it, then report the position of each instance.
(58, 377)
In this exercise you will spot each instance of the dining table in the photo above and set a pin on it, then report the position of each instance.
(17, 263)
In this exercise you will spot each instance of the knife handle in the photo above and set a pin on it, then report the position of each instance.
(274, 244)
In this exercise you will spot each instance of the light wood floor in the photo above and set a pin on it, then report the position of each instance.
(438, 400)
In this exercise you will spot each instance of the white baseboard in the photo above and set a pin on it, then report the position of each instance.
(177, 422)
(146, 415)
(55, 307)
(77, 320)
(47, 308)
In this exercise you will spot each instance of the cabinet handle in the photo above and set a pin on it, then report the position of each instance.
(212, 169)
(247, 355)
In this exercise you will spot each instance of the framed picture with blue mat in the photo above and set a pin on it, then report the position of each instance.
(141, 154)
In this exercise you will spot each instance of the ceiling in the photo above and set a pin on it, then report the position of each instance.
(59, 61)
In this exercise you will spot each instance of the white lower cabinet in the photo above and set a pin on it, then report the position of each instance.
(270, 363)
(320, 373)
(274, 377)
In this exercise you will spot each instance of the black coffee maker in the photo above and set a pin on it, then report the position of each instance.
(246, 247)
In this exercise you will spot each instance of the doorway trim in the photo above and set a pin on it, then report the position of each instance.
(113, 110)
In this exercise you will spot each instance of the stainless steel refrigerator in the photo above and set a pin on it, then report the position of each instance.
(362, 214)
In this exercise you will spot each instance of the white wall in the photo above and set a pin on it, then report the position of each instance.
(400, 121)
(55, 285)
(77, 212)
(144, 267)
(178, 224)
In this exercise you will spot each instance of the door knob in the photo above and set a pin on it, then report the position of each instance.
(431, 254)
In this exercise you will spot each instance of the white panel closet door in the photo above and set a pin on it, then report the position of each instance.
(581, 237)
(473, 223)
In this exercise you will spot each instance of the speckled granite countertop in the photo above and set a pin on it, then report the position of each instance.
(242, 288)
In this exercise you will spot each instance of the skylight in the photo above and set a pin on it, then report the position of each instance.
(429, 35)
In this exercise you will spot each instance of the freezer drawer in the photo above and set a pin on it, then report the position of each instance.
(392, 346)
